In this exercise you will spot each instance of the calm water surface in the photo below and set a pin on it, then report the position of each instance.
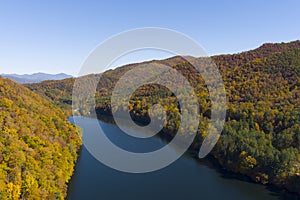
(185, 179)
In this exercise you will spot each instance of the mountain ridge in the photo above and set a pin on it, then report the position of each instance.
(261, 136)
(35, 77)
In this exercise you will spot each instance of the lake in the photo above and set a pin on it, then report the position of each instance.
(187, 178)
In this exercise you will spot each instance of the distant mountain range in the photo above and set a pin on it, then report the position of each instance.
(35, 78)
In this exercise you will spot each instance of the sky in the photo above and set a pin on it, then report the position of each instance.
(57, 36)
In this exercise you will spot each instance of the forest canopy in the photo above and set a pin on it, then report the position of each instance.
(38, 146)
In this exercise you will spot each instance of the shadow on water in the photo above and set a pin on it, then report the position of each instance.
(213, 164)
(187, 178)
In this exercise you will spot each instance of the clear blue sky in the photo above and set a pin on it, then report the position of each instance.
(56, 36)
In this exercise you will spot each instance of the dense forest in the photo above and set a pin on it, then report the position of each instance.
(261, 136)
(38, 146)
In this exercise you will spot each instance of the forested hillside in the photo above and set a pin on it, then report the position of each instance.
(261, 137)
(38, 147)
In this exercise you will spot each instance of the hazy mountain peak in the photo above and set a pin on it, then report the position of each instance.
(35, 77)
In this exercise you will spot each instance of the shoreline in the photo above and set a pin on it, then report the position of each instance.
(193, 151)
(210, 160)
